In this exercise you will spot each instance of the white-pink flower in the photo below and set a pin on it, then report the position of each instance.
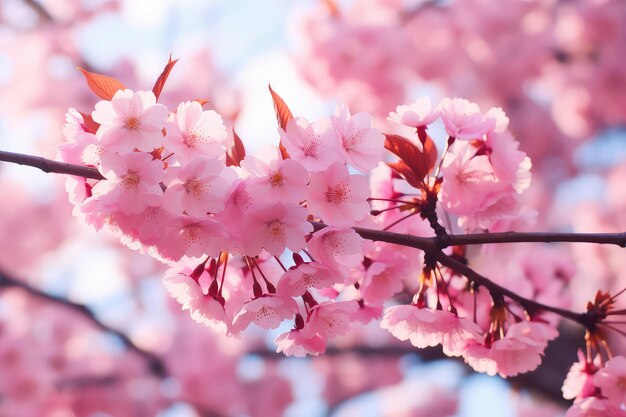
(132, 182)
(611, 379)
(266, 312)
(360, 143)
(463, 119)
(468, 179)
(519, 351)
(330, 318)
(198, 187)
(421, 326)
(579, 380)
(130, 120)
(338, 197)
(190, 236)
(274, 179)
(275, 227)
(418, 114)
(337, 248)
(193, 132)
(77, 140)
(299, 343)
(307, 275)
(594, 407)
(314, 145)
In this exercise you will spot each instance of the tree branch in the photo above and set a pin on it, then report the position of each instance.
(430, 245)
(48, 165)
(155, 364)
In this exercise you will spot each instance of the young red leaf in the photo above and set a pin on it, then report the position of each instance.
(160, 82)
(101, 85)
(89, 125)
(415, 164)
(283, 114)
(201, 101)
(236, 153)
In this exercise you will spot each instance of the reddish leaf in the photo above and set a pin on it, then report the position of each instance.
(415, 164)
(103, 86)
(201, 101)
(332, 7)
(283, 114)
(89, 125)
(160, 82)
(236, 152)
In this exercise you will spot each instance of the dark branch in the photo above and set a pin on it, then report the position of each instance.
(48, 165)
(155, 364)
(530, 305)
(431, 245)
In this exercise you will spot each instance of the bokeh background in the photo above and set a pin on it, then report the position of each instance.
(556, 67)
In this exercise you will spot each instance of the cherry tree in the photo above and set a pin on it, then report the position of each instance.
(418, 220)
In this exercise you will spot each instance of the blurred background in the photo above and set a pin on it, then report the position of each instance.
(555, 67)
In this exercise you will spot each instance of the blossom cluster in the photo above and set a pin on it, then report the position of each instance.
(265, 238)
(596, 387)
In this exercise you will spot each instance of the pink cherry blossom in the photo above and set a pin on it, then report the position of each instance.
(77, 140)
(266, 312)
(418, 114)
(382, 280)
(275, 227)
(457, 334)
(130, 120)
(519, 351)
(330, 318)
(194, 237)
(594, 407)
(307, 275)
(463, 120)
(192, 132)
(132, 182)
(362, 145)
(299, 343)
(338, 197)
(275, 179)
(611, 379)
(468, 179)
(199, 187)
(422, 326)
(314, 145)
(579, 380)
(337, 248)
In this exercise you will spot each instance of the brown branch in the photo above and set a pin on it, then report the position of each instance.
(41, 11)
(430, 245)
(155, 364)
(618, 239)
(48, 165)
(529, 305)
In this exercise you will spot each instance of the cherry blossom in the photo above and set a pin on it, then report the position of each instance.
(193, 132)
(611, 379)
(307, 275)
(275, 179)
(130, 120)
(266, 312)
(199, 187)
(417, 114)
(338, 197)
(337, 248)
(314, 145)
(275, 227)
(132, 183)
(463, 120)
(361, 144)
